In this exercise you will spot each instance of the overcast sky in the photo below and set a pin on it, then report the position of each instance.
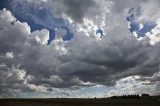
(79, 48)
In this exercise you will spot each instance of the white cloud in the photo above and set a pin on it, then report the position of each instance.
(130, 86)
(41, 36)
(141, 26)
(10, 55)
(154, 35)
(20, 73)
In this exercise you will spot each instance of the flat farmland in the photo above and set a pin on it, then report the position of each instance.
(79, 102)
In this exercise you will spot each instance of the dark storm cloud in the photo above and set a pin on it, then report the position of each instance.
(77, 9)
(106, 65)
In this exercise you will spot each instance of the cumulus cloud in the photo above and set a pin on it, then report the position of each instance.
(28, 64)
(16, 36)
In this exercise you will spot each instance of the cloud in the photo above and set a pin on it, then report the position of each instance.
(17, 38)
(157, 89)
(132, 86)
(77, 8)
(28, 64)
(57, 13)
(24, 54)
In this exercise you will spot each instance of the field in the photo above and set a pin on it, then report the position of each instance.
(81, 102)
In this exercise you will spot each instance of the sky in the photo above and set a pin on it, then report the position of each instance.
(79, 48)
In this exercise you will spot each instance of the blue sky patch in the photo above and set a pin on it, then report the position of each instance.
(34, 16)
(99, 31)
(135, 26)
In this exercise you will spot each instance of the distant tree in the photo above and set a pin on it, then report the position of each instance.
(126, 97)
(145, 95)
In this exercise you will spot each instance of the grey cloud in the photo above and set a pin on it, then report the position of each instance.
(77, 9)
(157, 89)
(111, 62)
(87, 62)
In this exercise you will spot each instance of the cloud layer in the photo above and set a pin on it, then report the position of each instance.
(28, 64)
